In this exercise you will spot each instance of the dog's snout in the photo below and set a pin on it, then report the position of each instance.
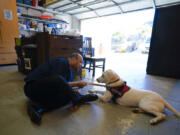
(97, 79)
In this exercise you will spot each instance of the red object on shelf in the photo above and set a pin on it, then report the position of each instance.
(34, 3)
(45, 17)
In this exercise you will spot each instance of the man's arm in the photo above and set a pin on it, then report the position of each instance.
(73, 84)
(79, 84)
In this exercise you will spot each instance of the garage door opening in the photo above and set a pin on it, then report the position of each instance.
(122, 39)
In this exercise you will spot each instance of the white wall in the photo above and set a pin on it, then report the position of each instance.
(75, 23)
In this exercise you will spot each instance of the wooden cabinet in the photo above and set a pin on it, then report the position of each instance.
(47, 47)
(8, 31)
(53, 46)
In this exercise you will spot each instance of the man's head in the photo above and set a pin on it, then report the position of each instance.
(75, 61)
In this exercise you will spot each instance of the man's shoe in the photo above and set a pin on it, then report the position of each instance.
(88, 98)
(34, 115)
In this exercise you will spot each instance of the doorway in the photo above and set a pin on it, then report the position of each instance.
(123, 39)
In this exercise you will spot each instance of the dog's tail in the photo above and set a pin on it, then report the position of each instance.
(168, 106)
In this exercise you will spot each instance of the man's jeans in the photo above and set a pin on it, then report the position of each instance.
(51, 92)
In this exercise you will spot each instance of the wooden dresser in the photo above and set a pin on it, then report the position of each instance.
(53, 46)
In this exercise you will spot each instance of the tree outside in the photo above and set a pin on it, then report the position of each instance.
(134, 40)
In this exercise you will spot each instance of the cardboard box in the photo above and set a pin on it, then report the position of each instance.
(48, 2)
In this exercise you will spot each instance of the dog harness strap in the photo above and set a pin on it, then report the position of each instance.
(119, 91)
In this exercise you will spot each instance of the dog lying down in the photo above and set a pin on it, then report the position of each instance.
(145, 101)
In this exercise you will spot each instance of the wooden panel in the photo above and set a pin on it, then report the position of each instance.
(8, 58)
(7, 49)
(8, 31)
(42, 47)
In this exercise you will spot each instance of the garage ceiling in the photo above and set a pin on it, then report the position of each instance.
(86, 9)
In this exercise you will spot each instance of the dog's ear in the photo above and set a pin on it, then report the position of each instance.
(112, 76)
(109, 70)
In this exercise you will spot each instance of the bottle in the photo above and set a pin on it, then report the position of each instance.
(100, 49)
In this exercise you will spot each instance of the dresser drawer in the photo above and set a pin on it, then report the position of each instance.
(65, 42)
(54, 53)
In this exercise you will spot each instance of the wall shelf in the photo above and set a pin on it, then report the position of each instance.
(39, 8)
(29, 30)
(45, 22)
(54, 21)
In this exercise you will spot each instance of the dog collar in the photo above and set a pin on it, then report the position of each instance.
(113, 81)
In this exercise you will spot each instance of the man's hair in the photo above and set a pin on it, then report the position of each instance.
(74, 55)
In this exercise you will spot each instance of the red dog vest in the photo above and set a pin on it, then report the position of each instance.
(118, 92)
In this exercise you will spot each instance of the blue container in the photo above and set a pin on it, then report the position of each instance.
(19, 1)
(51, 25)
(27, 2)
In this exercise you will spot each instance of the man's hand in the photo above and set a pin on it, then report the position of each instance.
(76, 90)
(74, 108)
(81, 84)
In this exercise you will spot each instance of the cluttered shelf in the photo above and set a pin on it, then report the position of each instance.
(29, 25)
(54, 21)
(39, 22)
(29, 30)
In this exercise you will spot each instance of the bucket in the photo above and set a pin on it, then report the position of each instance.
(83, 72)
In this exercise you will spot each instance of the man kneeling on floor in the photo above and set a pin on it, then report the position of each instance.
(49, 86)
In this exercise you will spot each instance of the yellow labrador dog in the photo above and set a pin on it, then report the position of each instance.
(145, 101)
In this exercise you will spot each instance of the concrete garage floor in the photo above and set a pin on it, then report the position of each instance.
(95, 118)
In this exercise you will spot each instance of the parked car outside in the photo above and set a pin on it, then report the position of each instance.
(145, 46)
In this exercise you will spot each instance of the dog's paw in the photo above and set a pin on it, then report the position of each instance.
(101, 101)
(153, 121)
(137, 110)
